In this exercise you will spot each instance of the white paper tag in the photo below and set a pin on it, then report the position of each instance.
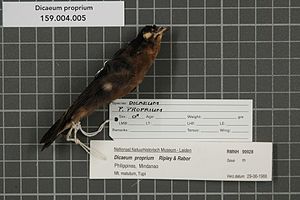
(67, 13)
(169, 159)
(207, 120)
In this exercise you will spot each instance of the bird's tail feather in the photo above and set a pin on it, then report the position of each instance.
(58, 128)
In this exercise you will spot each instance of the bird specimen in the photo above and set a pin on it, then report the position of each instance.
(119, 76)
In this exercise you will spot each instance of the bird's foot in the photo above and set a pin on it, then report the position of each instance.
(72, 137)
(72, 134)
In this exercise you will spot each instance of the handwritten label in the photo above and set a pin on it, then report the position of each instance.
(169, 159)
(49, 14)
(207, 120)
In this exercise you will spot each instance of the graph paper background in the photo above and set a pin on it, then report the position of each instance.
(215, 49)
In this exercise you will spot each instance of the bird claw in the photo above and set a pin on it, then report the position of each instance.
(72, 134)
(72, 137)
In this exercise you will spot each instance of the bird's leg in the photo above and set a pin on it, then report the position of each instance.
(72, 137)
(72, 134)
(68, 136)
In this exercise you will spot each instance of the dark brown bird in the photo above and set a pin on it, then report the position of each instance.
(119, 76)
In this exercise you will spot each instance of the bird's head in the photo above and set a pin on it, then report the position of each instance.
(152, 33)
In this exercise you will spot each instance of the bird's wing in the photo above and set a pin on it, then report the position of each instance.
(119, 52)
(116, 72)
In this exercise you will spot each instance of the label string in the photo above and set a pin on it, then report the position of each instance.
(72, 137)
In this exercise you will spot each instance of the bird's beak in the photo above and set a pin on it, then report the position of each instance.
(160, 31)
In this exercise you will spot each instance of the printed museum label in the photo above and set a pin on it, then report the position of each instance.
(174, 159)
(67, 13)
